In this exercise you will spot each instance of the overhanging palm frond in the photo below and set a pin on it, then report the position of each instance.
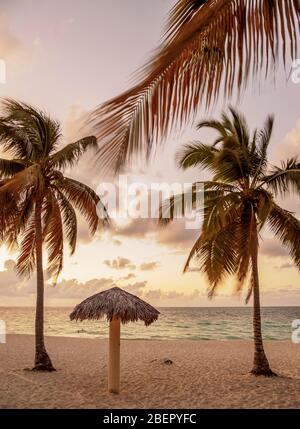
(69, 155)
(215, 47)
(181, 14)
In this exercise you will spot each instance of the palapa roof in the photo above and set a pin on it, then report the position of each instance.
(115, 302)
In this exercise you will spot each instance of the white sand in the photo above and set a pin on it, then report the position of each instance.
(205, 374)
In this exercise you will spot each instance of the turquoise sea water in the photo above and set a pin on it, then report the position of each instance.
(174, 323)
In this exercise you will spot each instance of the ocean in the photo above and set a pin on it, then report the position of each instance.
(174, 323)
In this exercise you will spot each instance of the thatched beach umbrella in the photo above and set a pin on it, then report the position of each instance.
(118, 306)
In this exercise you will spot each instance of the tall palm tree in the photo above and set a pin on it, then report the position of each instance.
(239, 202)
(211, 48)
(38, 202)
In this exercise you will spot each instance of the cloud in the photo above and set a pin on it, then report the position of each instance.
(286, 266)
(128, 277)
(173, 235)
(194, 270)
(272, 247)
(12, 285)
(78, 290)
(136, 288)
(84, 235)
(117, 242)
(290, 146)
(176, 235)
(149, 266)
(72, 290)
(120, 264)
(73, 126)
(137, 228)
(68, 21)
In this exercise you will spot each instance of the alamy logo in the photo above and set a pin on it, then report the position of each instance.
(2, 71)
(2, 332)
(131, 199)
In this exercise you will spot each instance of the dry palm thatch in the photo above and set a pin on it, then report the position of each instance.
(115, 303)
(211, 47)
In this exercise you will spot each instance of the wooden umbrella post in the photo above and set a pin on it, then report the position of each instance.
(114, 356)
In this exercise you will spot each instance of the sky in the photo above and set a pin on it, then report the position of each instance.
(67, 57)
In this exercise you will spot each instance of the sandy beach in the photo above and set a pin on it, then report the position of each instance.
(204, 374)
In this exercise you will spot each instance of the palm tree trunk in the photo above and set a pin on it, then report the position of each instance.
(261, 365)
(42, 360)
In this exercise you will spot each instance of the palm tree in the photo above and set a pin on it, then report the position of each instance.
(239, 202)
(211, 48)
(38, 202)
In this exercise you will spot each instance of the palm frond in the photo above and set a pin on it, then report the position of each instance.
(218, 209)
(14, 189)
(40, 132)
(181, 14)
(287, 229)
(13, 139)
(212, 52)
(264, 204)
(241, 130)
(197, 154)
(180, 205)
(85, 200)
(258, 156)
(26, 258)
(9, 167)
(246, 236)
(217, 255)
(284, 179)
(70, 154)
(69, 220)
(54, 239)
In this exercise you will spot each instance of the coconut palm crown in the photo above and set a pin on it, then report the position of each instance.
(239, 202)
(37, 202)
